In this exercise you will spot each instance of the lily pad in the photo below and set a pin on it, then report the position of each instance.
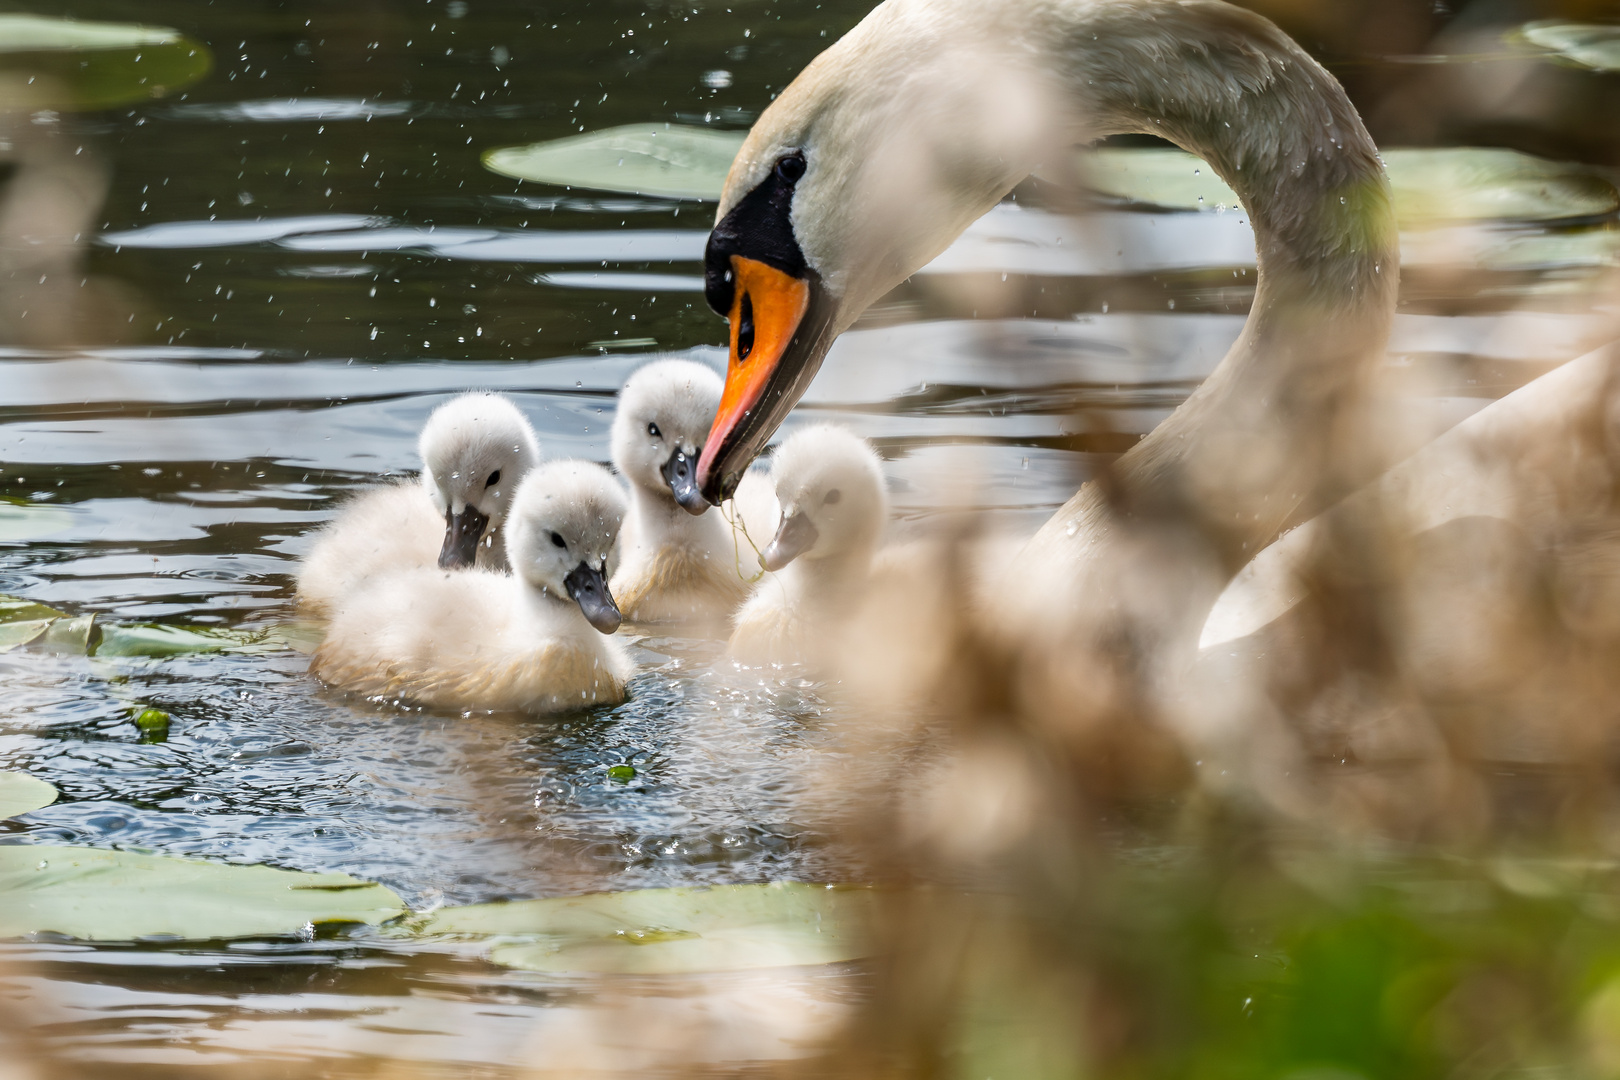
(1590, 45)
(28, 521)
(24, 621)
(670, 931)
(21, 794)
(78, 64)
(668, 160)
(123, 896)
(155, 639)
(1430, 186)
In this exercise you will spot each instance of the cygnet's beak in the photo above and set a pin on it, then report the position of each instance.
(680, 473)
(462, 532)
(589, 589)
(794, 537)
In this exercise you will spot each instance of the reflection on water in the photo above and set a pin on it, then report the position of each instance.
(297, 260)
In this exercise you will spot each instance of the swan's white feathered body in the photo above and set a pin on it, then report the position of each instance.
(675, 566)
(476, 449)
(483, 640)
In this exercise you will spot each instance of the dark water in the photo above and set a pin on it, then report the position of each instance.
(297, 259)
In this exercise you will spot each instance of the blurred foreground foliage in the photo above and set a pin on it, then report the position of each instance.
(1292, 965)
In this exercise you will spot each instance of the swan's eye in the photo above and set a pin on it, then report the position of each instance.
(745, 328)
(832, 497)
(791, 167)
(494, 478)
(652, 429)
(556, 538)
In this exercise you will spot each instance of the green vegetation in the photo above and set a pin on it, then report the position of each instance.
(669, 931)
(21, 793)
(48, 62)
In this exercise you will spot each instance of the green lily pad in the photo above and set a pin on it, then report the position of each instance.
(24, 621)
(28, 521)
(670, 931)
(668, 160)
(154, 639)
(21, 794)
(122, 896)
(1430, 186)
(1590, 45)
(75, 64)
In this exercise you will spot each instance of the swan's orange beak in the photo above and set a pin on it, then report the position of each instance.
(768, 311)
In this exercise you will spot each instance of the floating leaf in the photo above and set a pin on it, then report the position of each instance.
(1430, 186)
(75, 64)
(27, 521)
(641, 159)
(21, 793)
(669, 931)
(1588, 44)
(23, 621)
(621, 772)
(122, 896)
(153, 725)
(154, 639)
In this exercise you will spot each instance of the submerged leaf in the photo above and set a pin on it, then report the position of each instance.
(77, 64)
(1590, 45)
(1430, 186)
(29, 521)
(640, 159)
(155, 639)
(122, 896)
(667, 931)
(21, 794)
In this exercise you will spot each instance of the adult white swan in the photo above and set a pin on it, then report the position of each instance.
(926, 114)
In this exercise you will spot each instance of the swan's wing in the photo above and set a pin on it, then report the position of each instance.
(384, 530)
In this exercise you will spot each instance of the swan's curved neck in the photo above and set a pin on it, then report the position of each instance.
(1231, 88)
(1270, 426)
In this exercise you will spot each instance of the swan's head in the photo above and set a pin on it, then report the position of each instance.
(664, 412)
(565, 521)
(867, 166)
(829, 484)
(476, 449)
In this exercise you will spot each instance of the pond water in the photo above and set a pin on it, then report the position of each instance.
(297, 259)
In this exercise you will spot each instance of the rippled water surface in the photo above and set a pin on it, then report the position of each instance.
(300, 257)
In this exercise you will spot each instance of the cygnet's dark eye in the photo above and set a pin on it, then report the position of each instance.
(791, 167)
(494, 478)
(556, 538)
(652, 429)
(832, 497)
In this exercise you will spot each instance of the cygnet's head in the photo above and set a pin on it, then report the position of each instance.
(829, 483)
(565, 520)
(663, 417)
(476, 449)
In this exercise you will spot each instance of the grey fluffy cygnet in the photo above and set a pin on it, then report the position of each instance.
(476, 448)
(678, 558)
(537, 640)
(829, 484)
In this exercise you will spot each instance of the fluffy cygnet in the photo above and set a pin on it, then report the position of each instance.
(829, 484)
(476, 449)
(534, 641)
(677, 562)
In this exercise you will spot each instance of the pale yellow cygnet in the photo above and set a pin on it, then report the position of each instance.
(679, 559)
(476, 448)
(829, 485)
(536, 640)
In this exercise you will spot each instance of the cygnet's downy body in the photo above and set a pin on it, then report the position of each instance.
(476, 449)
(677, 563)
(536, 640)
(829, 484)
